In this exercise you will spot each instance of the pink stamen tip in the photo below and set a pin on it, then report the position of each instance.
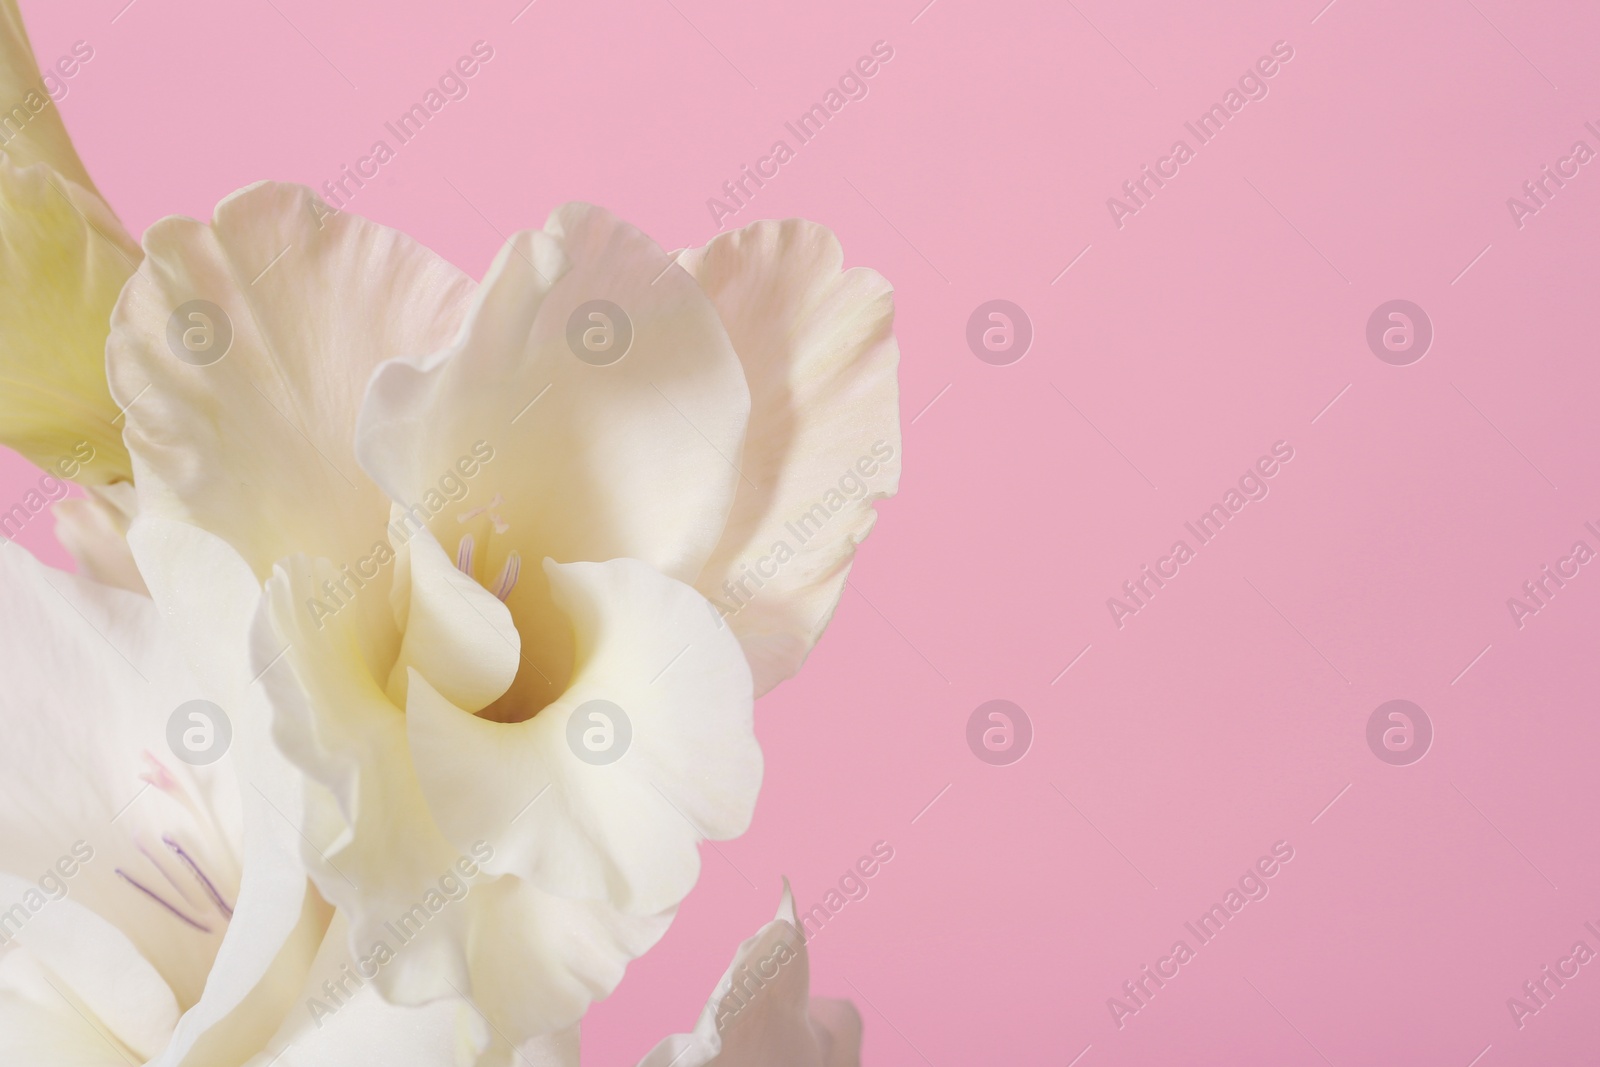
(156, 774)
(471, 513)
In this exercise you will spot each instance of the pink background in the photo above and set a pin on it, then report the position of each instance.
(1223, 317)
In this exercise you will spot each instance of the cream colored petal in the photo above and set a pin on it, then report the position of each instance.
(93, 793)
(650, 750)
(339, 1019)
(531, 961)
(91, 681)
(31, 130)
(92, 678)
(256, 447)
(762, 1013)
(208, 596)
(553, 1050)
(818, 348)
(229, 1027)
(63, 259)
(627, 459)
(540, 961)
(633, 459)
(95, 965)
(95, 530)
(457, 634)
(42, 1026)
(836, 1025)
(371, 838)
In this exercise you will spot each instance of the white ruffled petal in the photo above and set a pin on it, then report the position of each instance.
(762, 1013)
(650, 750)
(242, 351)
(93, 967)
(818, 348)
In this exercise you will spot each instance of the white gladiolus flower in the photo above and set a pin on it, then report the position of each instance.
(484, 616)
(487, 578)
(153, 911)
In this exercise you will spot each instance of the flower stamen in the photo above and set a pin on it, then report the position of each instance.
(157, 774)
(508, 576)
(496, 501)
(200, 876)
(185, 894)
(159, 899)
